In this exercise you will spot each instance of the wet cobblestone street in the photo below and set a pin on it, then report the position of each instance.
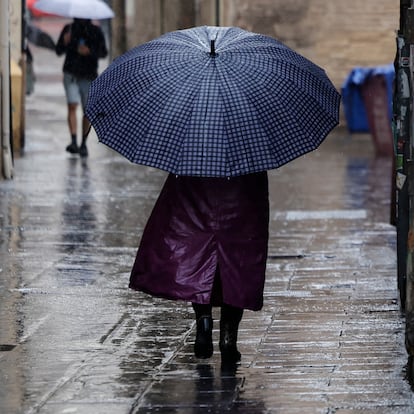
(74, 339)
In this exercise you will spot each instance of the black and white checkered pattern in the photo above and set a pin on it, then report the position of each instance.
(254, 106)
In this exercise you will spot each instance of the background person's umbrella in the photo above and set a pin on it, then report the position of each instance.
(33, 12)
(81, 9)
(39, 38)
(213, 102)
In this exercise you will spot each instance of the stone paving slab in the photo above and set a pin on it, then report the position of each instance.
(329, 339)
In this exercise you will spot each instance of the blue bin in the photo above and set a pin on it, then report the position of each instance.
(354, 107)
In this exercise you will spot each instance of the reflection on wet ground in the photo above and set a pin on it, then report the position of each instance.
(75, 339)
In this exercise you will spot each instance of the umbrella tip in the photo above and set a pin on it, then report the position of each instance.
(212, 48)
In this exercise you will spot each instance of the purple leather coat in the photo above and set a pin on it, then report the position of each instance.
(206, 241)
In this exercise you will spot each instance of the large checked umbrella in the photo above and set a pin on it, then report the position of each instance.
(212, 102)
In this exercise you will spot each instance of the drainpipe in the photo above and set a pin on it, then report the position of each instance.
(218, 11)
(5, 90)
(405, 90)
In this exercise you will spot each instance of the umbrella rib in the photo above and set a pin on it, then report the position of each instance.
(170, 103)
(190, 80)
(236, 84)
(225, 126)
(297, 85)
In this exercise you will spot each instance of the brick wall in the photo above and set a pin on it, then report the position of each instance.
(336, 34)
(151, 18)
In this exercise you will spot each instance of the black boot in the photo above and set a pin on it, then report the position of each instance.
(73, 146)
(83, 149)
(203, 345)
(229, 326)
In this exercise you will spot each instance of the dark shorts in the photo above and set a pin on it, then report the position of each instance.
(76, 89)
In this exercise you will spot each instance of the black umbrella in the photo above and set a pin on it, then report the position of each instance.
(39, 38)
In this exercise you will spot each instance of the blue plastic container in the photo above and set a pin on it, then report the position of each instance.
(354, 107)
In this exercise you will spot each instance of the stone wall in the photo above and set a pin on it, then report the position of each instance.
(153, 17)
(336, 34)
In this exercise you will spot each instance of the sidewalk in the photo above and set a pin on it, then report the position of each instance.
(74, 339)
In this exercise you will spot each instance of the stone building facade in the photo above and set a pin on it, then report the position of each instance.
(336, 34)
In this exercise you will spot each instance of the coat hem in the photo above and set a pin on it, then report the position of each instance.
(185, 299)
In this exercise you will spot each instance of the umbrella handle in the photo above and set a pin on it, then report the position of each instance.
(212, 48)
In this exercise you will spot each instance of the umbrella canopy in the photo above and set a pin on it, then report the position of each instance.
(212, 102)
(81, 9)
(33, 12)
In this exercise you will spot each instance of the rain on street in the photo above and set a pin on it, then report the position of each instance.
(74, 339)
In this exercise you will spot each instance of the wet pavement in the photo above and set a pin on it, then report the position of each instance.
(74, 339)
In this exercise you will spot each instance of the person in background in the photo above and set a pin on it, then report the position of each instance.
(83, 43)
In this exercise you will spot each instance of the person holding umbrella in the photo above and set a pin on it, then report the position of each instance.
(83, 43)
(216, 107)
(206, 242)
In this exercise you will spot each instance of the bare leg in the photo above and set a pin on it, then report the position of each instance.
(86, 125)
(73, 126)
(72, 121)
(83, 150)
